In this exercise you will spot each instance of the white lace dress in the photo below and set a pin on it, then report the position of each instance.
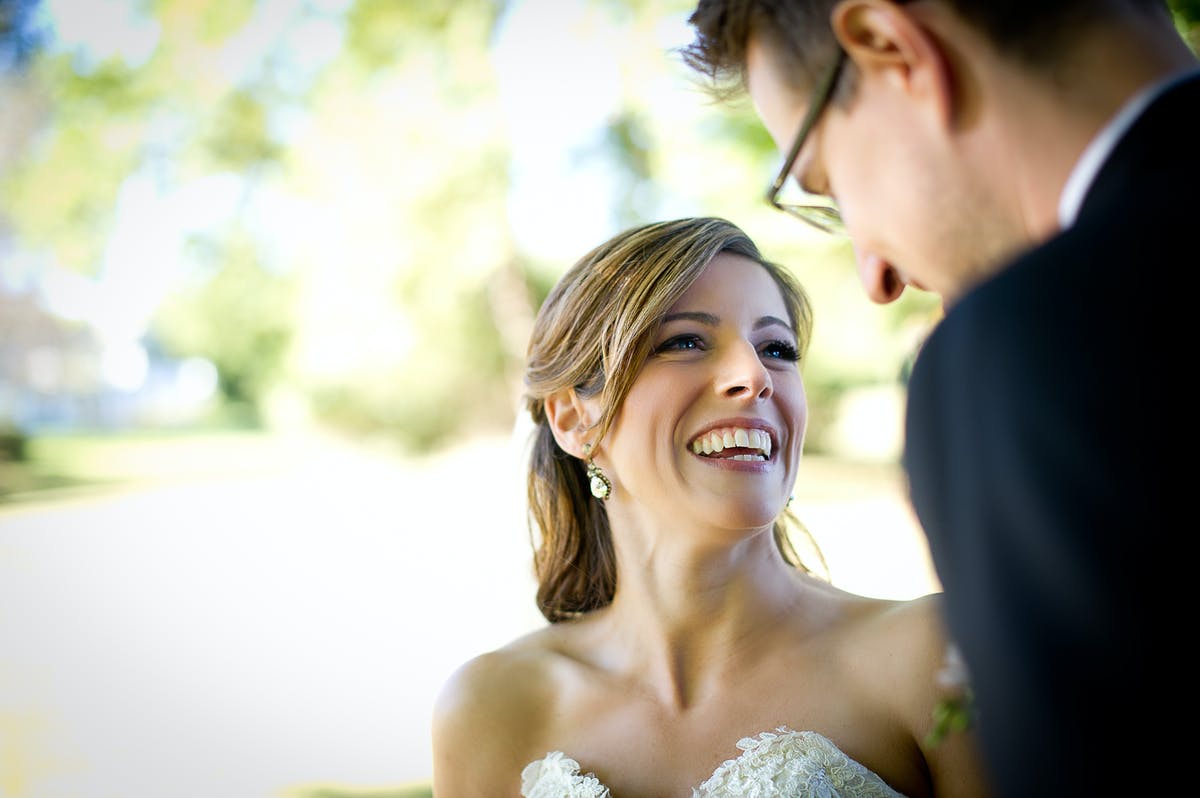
(779, 764)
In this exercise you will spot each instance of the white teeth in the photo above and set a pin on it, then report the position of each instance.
(716, 441)
(762, 441)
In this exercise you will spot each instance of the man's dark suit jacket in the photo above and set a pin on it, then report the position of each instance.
(1045, 438)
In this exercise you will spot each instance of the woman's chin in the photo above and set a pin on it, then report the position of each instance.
(744, 517)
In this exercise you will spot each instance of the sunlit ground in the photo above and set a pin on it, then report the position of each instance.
(276, 615)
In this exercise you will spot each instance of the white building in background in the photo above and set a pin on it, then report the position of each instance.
(60, 374)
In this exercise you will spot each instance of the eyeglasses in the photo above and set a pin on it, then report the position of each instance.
(823, 217)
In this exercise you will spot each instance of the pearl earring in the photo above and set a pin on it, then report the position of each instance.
(599, 482)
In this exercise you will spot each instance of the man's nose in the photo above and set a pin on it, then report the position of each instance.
(880, 280)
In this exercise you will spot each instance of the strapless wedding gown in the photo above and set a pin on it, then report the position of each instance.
(778, 764)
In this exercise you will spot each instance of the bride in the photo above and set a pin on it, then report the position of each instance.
(688, 652)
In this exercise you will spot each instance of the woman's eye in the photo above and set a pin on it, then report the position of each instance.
(780, 350)
(681, 343)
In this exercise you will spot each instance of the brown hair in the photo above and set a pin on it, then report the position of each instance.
(593, 333)
(798, 33)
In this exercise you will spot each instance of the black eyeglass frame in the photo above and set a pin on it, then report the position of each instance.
(823, 217)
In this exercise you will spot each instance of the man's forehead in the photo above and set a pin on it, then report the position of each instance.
(774, 96)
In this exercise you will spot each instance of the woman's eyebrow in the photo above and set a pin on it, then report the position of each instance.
(769, 321)
(712, 320)
(704, 318)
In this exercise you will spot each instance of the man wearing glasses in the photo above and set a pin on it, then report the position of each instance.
(1037, 165)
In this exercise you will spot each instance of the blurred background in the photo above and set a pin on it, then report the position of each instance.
(267, 271)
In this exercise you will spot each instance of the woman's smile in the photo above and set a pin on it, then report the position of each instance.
(737, 444)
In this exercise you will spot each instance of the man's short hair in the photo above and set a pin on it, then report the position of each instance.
(798, 35)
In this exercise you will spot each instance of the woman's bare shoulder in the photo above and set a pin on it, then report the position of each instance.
(908, 656)
(920, 616)
(492, 688)
(899, 640)
(489, 715)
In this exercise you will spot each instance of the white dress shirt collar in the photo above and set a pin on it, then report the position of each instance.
(1097, 152)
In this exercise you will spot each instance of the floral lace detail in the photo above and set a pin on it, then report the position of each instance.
(779, 764)
(557, 776)
(793, 764)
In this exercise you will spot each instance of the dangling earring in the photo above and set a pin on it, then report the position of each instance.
(600, 484)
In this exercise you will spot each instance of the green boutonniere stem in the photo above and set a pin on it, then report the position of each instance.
(950, 715)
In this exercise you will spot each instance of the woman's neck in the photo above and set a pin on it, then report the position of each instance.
(688, 617)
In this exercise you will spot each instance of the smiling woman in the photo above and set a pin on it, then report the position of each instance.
(627, 290)
(663, 379)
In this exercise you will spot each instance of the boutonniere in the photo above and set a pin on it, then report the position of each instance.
(955, 711)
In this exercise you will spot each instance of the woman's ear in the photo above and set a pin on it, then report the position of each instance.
(893, 42)
(571, 419)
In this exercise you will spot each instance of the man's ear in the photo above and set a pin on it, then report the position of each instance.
(890, 41)
(571, 419)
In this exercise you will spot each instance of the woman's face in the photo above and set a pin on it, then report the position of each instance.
(713, 425)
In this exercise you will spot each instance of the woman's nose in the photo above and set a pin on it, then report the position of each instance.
(743, 375)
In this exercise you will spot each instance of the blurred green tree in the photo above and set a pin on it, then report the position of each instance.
(358, 262)
(351, 252)
(240, 317)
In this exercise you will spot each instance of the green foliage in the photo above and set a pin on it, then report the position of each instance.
(950, 716)
(90, 461)
(1188, 11)
(207, 22)
(239, 135)
(13, 443)
(451, 380)
(365, 267)
(1187, 19)
(627, 136)
(740, 126)
(383, 32)
(110, 89)
(62, 195)
(240, 317)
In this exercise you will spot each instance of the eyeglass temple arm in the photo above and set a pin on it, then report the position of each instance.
(810, 117)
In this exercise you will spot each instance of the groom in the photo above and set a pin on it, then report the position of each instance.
(1037, 164)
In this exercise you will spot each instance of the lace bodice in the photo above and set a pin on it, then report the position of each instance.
(778, 764)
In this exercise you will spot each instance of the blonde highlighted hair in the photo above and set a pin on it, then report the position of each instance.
(592, 333)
